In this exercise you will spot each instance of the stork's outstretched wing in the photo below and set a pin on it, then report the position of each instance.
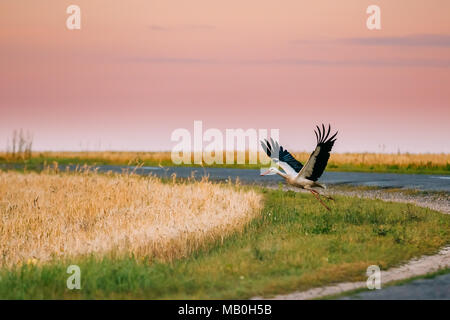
(281, 156)
(318, 160)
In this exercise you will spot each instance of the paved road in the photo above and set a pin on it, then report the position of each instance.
(423, 182)
(435, 288)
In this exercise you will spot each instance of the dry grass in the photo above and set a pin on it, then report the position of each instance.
(50, 215)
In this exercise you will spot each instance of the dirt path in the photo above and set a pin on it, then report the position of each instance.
(415, 267)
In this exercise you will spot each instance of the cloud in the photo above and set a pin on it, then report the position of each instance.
(174, 60)
(199, 27)
(186, 27)
(155, 27)
(415, 40)
(418, 40)
(297, 62)
(363, 62)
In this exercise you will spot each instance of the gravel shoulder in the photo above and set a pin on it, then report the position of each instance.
(439, 201)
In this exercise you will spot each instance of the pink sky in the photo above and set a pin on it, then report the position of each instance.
(137, 70)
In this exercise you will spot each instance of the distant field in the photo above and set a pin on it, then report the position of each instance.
(361, 162)
(140, 237)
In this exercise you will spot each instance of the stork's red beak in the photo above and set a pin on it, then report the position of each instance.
(263, 174)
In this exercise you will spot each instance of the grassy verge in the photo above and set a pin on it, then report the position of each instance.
(294, 245)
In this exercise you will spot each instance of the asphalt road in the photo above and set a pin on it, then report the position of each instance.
(422, 182)
(437, 288)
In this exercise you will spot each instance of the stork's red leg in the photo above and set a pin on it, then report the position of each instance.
(315, 193)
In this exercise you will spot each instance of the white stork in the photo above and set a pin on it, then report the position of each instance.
(297, 174)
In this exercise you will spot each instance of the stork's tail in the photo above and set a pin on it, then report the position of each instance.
(319, 185)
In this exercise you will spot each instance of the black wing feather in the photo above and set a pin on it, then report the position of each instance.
(283, 154)
(318, 160)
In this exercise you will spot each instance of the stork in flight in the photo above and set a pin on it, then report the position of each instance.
(297, 174)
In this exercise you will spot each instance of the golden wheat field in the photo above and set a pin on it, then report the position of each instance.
(48, 215)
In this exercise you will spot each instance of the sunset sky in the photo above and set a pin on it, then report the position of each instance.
(139, 69)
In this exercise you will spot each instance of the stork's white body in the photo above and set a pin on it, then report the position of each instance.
(304, 183)
(296, 180)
